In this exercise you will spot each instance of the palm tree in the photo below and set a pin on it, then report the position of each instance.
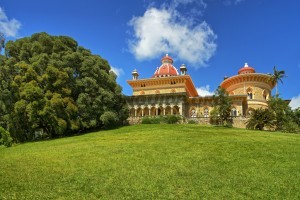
(277, 76)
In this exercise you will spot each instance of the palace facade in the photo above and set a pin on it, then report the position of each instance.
(172, 92)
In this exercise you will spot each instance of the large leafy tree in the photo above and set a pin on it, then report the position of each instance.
(277, 77)
(222, 104)
(49, 84)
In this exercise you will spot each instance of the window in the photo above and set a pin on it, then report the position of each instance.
(249, 93)
(233, 112)
(206, 112)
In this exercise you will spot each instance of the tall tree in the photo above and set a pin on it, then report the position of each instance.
(276, 77)
(222, 105)
(50, 84)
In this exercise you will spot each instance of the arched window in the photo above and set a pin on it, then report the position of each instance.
(193, 112)
(233, 112)
(206, 112)
(146, 111)
(250, 93)
(139, 112)
(168, 110)
(176, 110)
(265, 95)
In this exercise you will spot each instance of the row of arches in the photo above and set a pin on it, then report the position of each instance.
(154, 111)
(194, 113)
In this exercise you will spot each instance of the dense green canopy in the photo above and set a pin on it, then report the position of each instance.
(50, 85)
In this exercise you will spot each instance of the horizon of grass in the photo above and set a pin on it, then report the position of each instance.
(155, 162)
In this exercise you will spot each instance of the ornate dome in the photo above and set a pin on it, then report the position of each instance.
(166, 68)
(246, 69)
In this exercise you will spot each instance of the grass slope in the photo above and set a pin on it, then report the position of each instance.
(155, 162)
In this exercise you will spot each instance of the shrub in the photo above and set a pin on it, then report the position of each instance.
(290, 127)
(109, 119)
(169, 119)
(261, 118)
(172, 119)
(192, 122)
(5, 138)
(152, 120)
(146, 120)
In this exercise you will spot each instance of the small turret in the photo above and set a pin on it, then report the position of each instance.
(135, 74)
(183, 69)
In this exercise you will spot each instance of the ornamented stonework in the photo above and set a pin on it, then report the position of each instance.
(169, 93)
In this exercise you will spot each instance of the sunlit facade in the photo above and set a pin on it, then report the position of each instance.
(172, 92)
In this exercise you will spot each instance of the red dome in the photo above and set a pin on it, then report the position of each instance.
(166, 69)
(167, 59)
(246, 69)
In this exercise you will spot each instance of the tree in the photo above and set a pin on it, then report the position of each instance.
(222, 104)
(261, 118)
(277, 76)
(5, 138)
(285, 118)
(50, 84)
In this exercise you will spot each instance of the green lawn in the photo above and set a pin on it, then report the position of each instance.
(155, 162)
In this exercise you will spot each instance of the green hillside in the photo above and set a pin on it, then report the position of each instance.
(155, 162)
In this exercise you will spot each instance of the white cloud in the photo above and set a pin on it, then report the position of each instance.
(117, 71)
(8, 27)
(162, 30)
(295, 102)
(204, 91)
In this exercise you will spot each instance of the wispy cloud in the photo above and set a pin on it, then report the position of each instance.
(204, 91)
(117, 71)
(9, 27)
(295, 102)
(232, 2)
(165, 30)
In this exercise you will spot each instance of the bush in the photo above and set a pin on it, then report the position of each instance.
(169, 119)
(192, 122)
(172, 119)
(146, 120)
(5, 138)
(290, 127)
(151, 120)
(109, 119)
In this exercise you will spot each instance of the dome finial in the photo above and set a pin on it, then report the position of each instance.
(246, 65)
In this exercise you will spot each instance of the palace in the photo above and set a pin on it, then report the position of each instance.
(169, 92)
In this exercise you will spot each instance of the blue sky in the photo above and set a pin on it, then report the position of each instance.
(214, 38)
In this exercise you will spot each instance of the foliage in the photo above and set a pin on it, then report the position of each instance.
(5, 138)
(222, 104)
(168, 119)
(50, 83)
(277, 76)
(214, 117)
(285, 118)
(172, 119)
(109, 119)
(151, 120)
(296, 117)
(192, 121)
(155, 162)
(261, 118)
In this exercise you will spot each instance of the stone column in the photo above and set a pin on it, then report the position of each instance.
(142, 107)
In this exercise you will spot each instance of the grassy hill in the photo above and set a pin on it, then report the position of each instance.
(155, 162)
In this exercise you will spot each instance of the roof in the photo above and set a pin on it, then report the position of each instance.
(166, 68)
